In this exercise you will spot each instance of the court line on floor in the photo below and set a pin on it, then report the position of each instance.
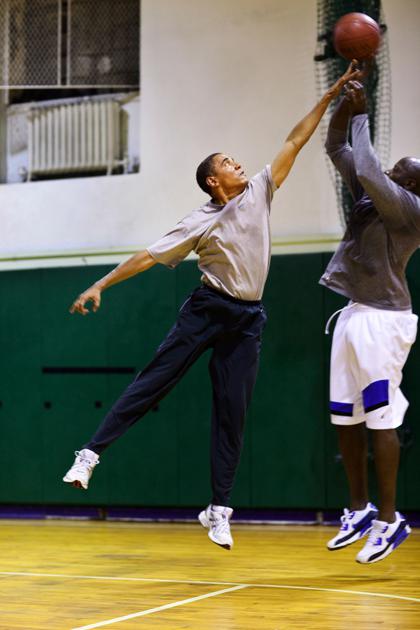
(209, 583)
(150, 611)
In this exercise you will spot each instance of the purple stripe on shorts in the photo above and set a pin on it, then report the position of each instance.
(341, 409)
(375, 395)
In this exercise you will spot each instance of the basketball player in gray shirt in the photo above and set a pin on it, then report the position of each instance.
(231, 236)
(374, 333)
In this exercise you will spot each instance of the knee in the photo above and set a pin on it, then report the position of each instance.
(384, 437)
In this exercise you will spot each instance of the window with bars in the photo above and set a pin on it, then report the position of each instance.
(69, 43)
(70, 82)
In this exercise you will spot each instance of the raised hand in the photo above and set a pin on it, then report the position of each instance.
(352, 73)
(355, 94)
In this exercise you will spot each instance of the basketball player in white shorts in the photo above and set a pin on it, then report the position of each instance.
(374, 333)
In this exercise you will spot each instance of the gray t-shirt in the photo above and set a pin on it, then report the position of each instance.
(383, 229)
(233, 241)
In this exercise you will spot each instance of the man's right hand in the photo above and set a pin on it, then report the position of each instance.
(93, 294)
(355, 94)
(352, 73)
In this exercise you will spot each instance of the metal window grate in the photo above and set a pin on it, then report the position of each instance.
(69, 43)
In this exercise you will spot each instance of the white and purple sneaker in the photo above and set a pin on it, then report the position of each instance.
(354, 525)
(383, 539)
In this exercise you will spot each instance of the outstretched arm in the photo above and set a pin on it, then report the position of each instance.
(301, 133)
(339, 149)
(134, 265)
(337, 144)
(341, 116)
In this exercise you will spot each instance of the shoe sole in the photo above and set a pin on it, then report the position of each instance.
(76, 483)
(404, 534)
(364, 527)
(349, 542)
(204, 522)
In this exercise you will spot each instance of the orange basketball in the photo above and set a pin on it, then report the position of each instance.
(356, 36)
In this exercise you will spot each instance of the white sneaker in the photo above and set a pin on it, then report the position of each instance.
(384, 539)
(216, 519)
(354, 525)
(81, 471)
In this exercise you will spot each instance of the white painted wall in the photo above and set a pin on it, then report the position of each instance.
(229, 76)
(403, 19)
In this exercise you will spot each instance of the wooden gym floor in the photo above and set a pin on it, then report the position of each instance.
(80, 575)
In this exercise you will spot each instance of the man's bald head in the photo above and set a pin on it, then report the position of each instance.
(406, 173)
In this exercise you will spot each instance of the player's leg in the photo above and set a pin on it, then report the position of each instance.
(386, 452)
(353, 445)
(187, 339)
(233, 369)
(388, 338)
(348, 417)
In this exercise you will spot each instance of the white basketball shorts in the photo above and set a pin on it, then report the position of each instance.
(369, 349)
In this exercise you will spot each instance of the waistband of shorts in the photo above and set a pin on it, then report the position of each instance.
(230, 298)
(366, 307)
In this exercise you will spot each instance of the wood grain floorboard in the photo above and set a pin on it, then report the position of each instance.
(292, 581)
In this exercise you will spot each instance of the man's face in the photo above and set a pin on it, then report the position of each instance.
(229, 173)
(403, 171)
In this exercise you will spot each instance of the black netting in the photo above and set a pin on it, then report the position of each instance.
(33, 42)
(61, 43)
(329, 66)
(105, 44)
(3, 45)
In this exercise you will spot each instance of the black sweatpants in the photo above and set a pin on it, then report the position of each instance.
(232, 328)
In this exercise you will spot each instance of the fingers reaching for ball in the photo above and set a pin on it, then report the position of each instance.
(352, 73)
(354, 93)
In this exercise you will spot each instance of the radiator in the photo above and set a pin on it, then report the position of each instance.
(74, 137)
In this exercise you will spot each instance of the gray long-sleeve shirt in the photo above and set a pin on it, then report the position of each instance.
(383, 229)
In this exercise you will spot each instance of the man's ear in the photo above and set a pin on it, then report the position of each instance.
(410, 184)
(212, 181)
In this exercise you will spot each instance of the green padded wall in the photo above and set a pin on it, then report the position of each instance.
(22, 432)
(290, 457)
(287, 414)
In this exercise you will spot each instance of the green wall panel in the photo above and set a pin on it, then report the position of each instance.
(22, 432)
(410, 431)
(76, 340)
(67, 423)
(287, 410)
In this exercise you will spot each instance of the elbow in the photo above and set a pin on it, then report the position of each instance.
(367, 181)
(331, 145)
(295, 144)
(328, 149)
(362, 175)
